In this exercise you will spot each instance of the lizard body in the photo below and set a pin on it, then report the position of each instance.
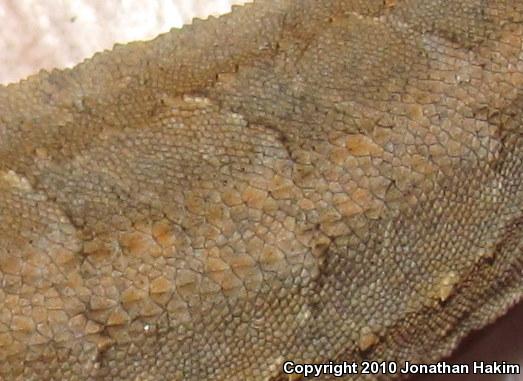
(341, 180)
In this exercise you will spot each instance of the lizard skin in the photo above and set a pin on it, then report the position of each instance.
(341, 181)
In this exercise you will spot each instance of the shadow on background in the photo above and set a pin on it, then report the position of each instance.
(501, 341)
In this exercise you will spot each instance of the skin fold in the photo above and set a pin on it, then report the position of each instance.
(206, 206)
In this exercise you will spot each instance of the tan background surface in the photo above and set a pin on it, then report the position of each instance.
(37, 34)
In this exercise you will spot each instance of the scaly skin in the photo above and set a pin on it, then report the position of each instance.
(339, 180)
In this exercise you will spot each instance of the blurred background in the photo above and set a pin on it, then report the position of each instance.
(36, 34)
(43, 34)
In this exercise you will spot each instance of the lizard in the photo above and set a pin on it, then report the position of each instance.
(342, 180)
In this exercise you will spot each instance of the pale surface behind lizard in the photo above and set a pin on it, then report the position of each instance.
(5, 71)
(37, 34)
